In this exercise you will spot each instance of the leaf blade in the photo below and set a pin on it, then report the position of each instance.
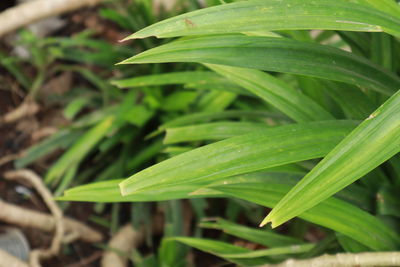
(249, 16)
(331, 213)
(275, 54)
(241, 154)
(211, 131)
(370, 144)
(285, 98)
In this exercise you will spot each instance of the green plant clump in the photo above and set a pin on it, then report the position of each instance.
(291, 105)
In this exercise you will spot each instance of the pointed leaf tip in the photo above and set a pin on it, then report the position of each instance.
(265, 222)
(122, 189)
(127, 38)
(135, 35)
(122, 62)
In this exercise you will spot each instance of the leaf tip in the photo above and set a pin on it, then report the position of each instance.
(114, 82)
(136, 35)
(122, 189)
(129, 37)
(265, 222)
(131, 60)
(122, 62)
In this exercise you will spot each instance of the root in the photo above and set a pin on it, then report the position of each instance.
(37, 183)
(27, 108)
(8, 260)
(8, 158)
(29, 12)
(86, 261)
(124, 240)
(28, 218)
(13, 214)
(345, 259)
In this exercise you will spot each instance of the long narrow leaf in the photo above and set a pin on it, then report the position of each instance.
(242, 154)
(201, 117)
(264, 188)
(374, 141)
(294, 104)
(263, 237)
(169, 78)
(80, 149)
(211, 131)
(275, 54)
(331, 213)
(219, 248)
(109, 191)
(261, 15)
(388, 6)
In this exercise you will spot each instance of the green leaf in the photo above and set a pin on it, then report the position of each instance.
(275, 54)
(179, 100)
(294, 249)
(80, 149)
(374, 141)
(201, 117)
(388, 202)
(108, 191)
(211, 131)
(241, 154)
(61, 139)
(142, 156)
(222, 85)
(389, 6)
(331, 213)
(169, 78)
(276, 92)
(261, 15)
(263, 237)
(264, 188)
(219, 248)
(74, 107)
(240, 255)
(216, 101)
(10, 63)
(354, 103)
(207, 116)
(350, 245)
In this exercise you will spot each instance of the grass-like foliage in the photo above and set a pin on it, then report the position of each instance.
(292, 105)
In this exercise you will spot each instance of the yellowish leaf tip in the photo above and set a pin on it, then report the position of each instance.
(122, 189)
(129, 37)
(122, 62)
(265, 222)
(136, 35)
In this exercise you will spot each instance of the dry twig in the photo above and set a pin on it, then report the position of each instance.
(26, 13)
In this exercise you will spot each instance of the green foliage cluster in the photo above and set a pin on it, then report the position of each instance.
(292, 105)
